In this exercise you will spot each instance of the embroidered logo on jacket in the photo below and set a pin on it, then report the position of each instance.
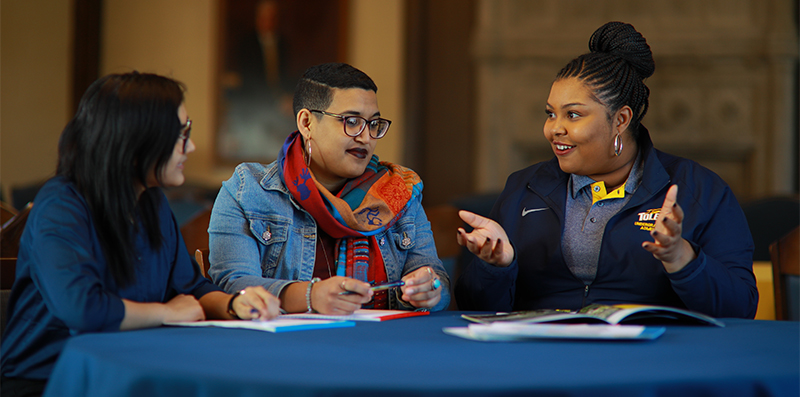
(647, 219)
(526, 211)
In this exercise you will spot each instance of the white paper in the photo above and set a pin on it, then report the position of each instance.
(509, 331)
(275, 325)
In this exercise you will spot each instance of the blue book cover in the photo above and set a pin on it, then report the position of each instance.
(276, 325)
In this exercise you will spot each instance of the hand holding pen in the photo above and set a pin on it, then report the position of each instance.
(339, 295)
(255, 303)
(379, 287)
(422, 288)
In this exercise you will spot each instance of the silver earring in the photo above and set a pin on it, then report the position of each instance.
(308, 151)
(617, 145)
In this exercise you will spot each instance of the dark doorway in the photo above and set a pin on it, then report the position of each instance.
(440, 97)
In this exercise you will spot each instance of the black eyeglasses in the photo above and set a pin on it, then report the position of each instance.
(354, 125)
(186, 131)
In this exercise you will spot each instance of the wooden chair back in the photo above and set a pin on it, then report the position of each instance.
(12, 232)
(195, 231)
(8, 272)
(785, 257)
(5, 294)
(7, 211)
(10, 235)
(201, 256)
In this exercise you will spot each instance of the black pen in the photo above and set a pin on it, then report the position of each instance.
(379, 287)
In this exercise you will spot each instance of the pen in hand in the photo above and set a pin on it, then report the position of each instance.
(379, 287)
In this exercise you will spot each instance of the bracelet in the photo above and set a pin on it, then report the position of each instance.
(230, 305)
(308, 294)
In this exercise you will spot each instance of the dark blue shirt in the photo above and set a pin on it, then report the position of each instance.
(63, 286)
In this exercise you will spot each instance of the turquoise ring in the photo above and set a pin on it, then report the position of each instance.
(436, 284)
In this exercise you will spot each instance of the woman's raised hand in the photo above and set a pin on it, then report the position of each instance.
(487, 240)
(669, 246)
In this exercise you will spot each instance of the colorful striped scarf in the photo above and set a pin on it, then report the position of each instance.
(365, 206)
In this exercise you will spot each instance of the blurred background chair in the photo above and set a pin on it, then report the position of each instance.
(10, 235)
(195, 236)
(785, 253)
(444, 224)
(770, 219)
(192, 205)
(201, 257)
(4, 295)
(7, 211)
(195, 230)
(24, 194)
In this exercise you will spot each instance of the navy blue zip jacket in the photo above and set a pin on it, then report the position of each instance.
(719, 282)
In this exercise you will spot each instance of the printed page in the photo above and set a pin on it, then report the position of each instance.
(649, 314)
(534, 316)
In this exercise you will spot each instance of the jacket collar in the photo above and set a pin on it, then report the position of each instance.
(273, 178)
(655, 176)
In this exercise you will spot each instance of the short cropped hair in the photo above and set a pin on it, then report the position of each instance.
(315, 89)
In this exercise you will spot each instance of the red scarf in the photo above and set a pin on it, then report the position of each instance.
(365, 206)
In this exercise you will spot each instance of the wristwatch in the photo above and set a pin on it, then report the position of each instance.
(230, 305)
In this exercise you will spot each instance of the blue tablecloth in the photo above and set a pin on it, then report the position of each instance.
(412, 356)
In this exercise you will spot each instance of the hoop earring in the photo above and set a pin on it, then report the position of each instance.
(308, 152)
(617, 145)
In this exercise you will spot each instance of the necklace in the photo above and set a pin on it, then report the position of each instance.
(325, 254)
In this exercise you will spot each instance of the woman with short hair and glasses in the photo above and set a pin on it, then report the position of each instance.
(327, 221)
(101, 250)
(609, 219)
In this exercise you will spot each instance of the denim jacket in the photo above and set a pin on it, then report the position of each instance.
(259, 235)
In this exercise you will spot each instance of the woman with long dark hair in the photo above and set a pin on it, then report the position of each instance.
(101, 250)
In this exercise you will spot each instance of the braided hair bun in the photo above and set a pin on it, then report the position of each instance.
(615, 69)
(622, 40)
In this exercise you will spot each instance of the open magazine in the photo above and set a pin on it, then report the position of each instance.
(609, 314)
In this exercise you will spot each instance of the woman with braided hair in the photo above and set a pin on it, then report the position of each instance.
(609, 219)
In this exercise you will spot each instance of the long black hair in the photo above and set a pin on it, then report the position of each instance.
(125, 128)
(615, 69)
